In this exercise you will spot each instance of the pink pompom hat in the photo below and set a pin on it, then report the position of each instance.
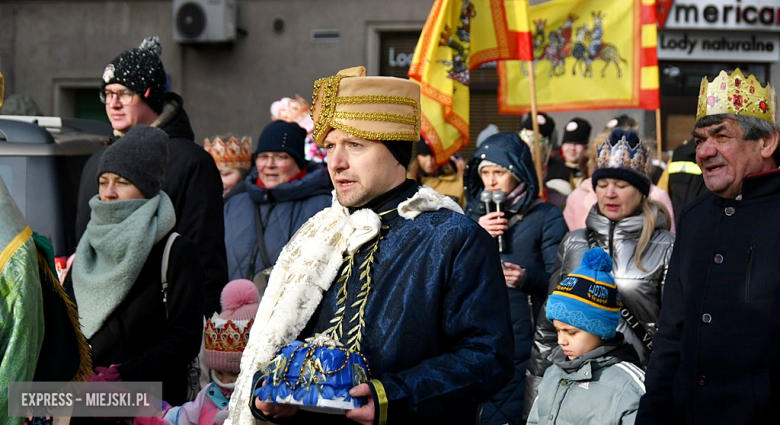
(227, 334)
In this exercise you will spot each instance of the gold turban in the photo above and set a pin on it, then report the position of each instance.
(373, 108)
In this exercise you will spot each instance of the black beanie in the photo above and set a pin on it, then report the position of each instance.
(576, 131)
(546, 124)
(141, 157)
(282, 136)
(623, 164)
(423, 148)
(401, 150)
(141, 71)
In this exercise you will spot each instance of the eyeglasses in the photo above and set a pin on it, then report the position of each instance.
(265, 158)
(125, 96)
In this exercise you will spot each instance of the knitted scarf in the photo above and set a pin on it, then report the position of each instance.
(112, 252)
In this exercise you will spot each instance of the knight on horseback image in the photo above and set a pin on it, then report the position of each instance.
(584, 44)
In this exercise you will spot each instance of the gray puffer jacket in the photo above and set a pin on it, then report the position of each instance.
(640, 291)
(601, 387)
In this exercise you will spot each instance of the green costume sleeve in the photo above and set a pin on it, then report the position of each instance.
(21, 315)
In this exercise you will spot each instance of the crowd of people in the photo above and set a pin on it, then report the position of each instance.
(473, 293)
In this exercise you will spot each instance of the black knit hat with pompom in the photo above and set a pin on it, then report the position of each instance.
(141, 71)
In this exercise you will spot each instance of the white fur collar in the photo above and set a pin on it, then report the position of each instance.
(306, 267)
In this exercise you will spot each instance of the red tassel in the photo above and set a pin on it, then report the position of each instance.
(148, 89)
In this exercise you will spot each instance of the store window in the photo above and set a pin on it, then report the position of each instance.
(88, 105)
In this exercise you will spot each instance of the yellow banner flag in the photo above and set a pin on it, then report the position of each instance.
(588, 54)
(460, 35)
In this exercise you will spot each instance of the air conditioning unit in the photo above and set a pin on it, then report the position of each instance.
(204, 21)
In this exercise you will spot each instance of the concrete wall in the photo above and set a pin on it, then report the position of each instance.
(49, 45)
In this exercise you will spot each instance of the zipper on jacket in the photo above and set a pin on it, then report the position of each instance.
(747, 276)
(611, 238)
(531, 313)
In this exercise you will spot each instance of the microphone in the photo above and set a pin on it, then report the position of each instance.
(498, 198)
(486, 196)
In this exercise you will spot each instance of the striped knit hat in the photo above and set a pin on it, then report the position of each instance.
(588, 298)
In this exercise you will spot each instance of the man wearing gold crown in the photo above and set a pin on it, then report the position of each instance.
(714, 358)
(392, 270)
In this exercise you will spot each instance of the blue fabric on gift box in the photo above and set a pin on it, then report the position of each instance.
(312, 385)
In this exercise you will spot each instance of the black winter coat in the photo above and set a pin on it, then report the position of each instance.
(193, 183)
(532, 243)
(715, 352)
(137, 335)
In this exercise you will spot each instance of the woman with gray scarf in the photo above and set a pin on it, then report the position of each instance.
(138, 331)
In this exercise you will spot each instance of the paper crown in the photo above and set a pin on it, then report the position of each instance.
(228, 336)
(735, 94)
(374, 108)
(233, 154)
(224, 343)
(622, 156)
(527, 136)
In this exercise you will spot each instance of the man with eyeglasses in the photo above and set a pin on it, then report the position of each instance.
(282, 192)
(134, 92)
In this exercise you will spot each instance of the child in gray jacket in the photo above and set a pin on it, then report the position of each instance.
(595, 377)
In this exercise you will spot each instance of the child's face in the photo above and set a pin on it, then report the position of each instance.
(226, 377)
(574, 341)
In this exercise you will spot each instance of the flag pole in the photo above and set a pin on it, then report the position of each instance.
(658, 136)
(537, 151)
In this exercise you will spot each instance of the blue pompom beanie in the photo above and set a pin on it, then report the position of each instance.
(588, 298)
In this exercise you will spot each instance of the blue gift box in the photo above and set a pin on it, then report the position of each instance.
(316, 377)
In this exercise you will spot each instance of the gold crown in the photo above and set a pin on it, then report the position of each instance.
(735, 94)
(233, 154)
(228, 338)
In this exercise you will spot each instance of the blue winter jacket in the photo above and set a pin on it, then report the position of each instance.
(532, 243)
(283, 209)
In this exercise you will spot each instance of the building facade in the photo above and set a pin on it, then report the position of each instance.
(54, 51)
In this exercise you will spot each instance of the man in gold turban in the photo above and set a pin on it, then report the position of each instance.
(391, 270)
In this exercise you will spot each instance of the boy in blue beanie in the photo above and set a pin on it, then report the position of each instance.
(595, 377)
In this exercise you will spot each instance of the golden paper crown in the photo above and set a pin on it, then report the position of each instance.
(230, 337)
(527, 136)
(735, 94)
(233, 154)
(374, 108)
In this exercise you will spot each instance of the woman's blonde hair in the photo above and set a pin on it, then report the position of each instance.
(588, 161)
(650, 210)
